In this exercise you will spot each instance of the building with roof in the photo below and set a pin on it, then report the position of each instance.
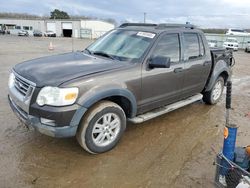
(63, 28)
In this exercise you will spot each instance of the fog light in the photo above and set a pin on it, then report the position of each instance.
(48, 121)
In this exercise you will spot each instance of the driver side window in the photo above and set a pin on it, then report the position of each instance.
(168, 46)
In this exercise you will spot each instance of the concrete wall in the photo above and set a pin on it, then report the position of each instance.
(97, 27)
(35, 24)
(76, 29)
(58, 25)
(242, 40)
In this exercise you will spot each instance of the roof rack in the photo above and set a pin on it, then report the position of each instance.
(138, 24)
(159, 26)
(162, 26)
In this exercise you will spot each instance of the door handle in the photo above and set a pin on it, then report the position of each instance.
(206, 63)
(177, 70)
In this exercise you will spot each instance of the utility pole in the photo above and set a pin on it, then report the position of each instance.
(145, 14)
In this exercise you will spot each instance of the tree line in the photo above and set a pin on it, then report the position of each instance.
(55, 14)
(58, 14)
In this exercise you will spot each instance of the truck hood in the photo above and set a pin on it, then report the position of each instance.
(57, 69)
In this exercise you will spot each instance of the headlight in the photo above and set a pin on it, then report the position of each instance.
(11, 80)
(55, 96)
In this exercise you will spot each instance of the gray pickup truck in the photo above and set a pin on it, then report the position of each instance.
(133, 73)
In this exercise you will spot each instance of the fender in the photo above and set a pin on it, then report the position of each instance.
(220, 67)
(88, 101)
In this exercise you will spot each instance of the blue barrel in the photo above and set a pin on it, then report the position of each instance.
(229, 142)
(228, 148)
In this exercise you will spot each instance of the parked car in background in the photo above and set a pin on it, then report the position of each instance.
(135, 72)
(2, 32)
(50, 34)
(237, 32)
(247, 47)
(37, 33)
(231, 43)
(212, 43)
(23, 33)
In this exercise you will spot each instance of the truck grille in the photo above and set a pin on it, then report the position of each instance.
(22, 86)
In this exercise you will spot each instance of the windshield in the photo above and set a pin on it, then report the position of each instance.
(122, 45)
(212, 41)
(231, 40)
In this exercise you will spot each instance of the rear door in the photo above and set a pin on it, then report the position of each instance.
(196, 67)
(162, 86)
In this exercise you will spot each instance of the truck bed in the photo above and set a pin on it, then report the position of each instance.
(221, 54)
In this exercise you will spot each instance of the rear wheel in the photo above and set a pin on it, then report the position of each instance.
(214, 95)
(102, 127)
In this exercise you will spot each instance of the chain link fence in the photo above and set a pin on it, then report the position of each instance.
(220, 38)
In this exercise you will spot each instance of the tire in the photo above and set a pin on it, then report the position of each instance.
(214, 95)
(105, 138)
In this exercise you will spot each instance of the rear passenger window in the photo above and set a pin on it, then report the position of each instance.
(168, 46)
(191, 46)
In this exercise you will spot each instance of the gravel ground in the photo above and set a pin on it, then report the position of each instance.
(174, 150)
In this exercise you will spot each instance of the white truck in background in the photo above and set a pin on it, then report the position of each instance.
(231, 43)
(237, 32)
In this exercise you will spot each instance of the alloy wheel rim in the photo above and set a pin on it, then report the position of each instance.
(106, 129)
(217, 91)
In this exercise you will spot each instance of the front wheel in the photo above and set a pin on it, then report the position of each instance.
(214, 95)
(102, 127)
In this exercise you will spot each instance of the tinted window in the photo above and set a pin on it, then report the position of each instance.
(191, 46)
(238, 30)
(25, 27)
(168, 46)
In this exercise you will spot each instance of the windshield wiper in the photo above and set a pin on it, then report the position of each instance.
(86, 49)
(103, 54)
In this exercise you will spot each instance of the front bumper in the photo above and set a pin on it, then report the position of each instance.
(231, 47)
(53, 131)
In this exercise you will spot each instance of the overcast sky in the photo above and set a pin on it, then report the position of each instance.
(204, 13)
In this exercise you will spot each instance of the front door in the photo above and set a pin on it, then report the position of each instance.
(161, 86)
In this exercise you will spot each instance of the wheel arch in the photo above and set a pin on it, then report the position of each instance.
(221, 69)
(124, 98)
(225, 76)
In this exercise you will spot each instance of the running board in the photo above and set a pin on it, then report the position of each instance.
(165, 109)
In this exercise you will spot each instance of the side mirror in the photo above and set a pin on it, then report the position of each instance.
(159, 62)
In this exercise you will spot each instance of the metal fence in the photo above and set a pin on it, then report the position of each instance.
(86, 33)
(220, 38)
(228, 174)
(90, 34)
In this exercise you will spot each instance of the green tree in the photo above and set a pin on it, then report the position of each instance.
(58, 14)
(111, 20)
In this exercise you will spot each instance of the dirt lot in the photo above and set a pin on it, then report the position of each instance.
(174, 150)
